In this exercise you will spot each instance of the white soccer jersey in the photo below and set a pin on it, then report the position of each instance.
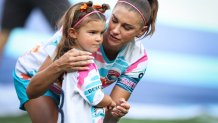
(126, 70)
(28, 64)
(82, 91)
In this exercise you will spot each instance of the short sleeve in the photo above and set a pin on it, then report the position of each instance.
(90, 86)
(133, 74)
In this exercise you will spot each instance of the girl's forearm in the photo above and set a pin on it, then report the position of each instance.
(116, 94)
(106, 101)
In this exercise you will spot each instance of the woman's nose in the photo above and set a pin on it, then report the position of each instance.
(116, 29)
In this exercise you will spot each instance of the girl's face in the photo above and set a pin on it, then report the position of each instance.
(89, 36)
(124, 25)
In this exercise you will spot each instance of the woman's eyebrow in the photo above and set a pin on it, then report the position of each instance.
(125, 24)
(114, 16)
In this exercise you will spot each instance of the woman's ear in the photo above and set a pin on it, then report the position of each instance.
(142, 31)
(72, 33)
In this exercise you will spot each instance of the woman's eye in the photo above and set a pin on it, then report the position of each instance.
(127, 28)
(114, 20)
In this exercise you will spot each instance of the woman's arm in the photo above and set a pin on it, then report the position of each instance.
(120, 96)
(50, 71)
(40, 83)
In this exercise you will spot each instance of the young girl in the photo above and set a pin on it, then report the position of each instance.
(83, 28)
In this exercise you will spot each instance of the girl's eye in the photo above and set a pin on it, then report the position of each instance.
(92, 32)
(102, 32)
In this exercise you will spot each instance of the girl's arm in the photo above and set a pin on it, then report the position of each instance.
(106, 101)
(50, 71)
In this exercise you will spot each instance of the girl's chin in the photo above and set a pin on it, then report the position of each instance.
(93, 50)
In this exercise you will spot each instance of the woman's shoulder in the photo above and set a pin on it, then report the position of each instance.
(134, 51)
(54, 40)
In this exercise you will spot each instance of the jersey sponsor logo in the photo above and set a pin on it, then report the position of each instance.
(140, 75)
(128, 83)
(111, 77)
(94, 89)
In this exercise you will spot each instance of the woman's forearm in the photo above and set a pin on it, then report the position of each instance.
(40, 83)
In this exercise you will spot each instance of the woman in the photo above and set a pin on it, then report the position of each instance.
(130, 19)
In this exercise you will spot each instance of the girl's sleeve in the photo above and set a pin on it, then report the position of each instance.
(89, 85)
(133, 74)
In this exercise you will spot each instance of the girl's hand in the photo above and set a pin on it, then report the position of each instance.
(121, 109)
(111, 105)
(74, 60)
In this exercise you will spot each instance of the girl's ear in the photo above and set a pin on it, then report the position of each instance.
(142, 31)
(72, 33)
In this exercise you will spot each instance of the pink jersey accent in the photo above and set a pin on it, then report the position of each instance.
(98, 57)
(84, 74)
(135, 65)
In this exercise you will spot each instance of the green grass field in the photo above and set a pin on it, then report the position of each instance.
(203, 119)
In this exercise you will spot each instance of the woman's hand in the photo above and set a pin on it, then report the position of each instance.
(121, 109)
(50, 71)
(73, 60)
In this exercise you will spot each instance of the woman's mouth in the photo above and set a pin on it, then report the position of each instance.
(114, 38)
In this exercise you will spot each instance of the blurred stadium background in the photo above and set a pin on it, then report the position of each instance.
(181, 82)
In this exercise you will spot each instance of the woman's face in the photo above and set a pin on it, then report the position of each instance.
(124, 25)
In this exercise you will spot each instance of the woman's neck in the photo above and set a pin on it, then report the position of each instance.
(110, 52)
(111, 55)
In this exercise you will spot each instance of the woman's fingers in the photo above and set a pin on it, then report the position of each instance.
(81, 63)
(76, 52)
(75, 60)
(80, 58)
(124, 104)
(121, 109)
